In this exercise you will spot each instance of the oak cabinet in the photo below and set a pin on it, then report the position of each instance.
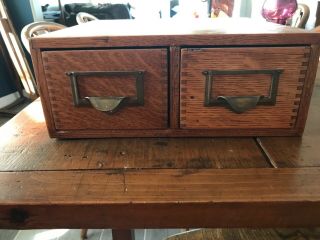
(213, 79)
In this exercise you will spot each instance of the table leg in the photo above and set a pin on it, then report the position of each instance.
(84, 234)
(122, 234)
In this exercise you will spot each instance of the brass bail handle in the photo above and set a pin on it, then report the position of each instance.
(107, 104)
(241, 104)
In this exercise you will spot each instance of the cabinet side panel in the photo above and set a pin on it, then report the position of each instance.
(43, 89)
(308, 88)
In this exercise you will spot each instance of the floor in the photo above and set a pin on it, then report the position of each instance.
(74, 234)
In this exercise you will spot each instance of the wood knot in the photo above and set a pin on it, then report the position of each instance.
(18, 215)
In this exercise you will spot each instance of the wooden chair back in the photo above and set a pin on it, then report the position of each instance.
(36, 29)
(301, 16)
(83, 17)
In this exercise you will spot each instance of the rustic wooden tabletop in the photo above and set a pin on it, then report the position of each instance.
(157, 183)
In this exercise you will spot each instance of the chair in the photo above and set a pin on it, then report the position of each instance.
(36, 29)
(301, 16)
(83, 17)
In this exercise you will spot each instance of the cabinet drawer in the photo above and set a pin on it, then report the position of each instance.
(107, 89)
(241, 88)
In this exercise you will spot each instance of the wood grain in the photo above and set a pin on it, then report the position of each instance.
(307, 88)
(144, 198)
(154, 113)
(168, 111)
(28, 147)
(174, 86)
(197, 32)
(34, 186)
(298, 152)
(43, 91)
(193, 113)
(71, 134)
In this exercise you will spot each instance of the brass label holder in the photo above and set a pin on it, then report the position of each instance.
(240, 104)
(108, 104)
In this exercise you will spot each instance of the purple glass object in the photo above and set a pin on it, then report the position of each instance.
(278, 11)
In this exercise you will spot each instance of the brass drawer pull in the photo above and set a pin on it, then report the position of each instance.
(108, 104)
(240, 104)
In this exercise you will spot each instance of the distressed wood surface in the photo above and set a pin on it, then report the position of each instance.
(138, 188)
(143, 198)
(151, 183)
(174, 33)
(298, 152)
(160, 186)
(28, 147)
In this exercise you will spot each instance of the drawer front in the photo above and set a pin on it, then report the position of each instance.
(239, 88)
(107, 89)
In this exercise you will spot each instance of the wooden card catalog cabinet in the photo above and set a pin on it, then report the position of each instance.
(215, 78)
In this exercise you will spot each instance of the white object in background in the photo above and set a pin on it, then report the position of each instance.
(36, 10)
(193, 9)
(8, 99)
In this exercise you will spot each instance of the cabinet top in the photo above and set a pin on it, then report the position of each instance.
(174, 32)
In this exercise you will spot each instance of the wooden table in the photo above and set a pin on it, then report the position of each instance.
(157, 183)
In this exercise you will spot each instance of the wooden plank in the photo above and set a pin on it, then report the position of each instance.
(298, 152)
(173, 27)
(134, 133)
(160, 198)
(122, 234)
(28, 147)
(152, 41)
(173, 33)
(123, 186)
